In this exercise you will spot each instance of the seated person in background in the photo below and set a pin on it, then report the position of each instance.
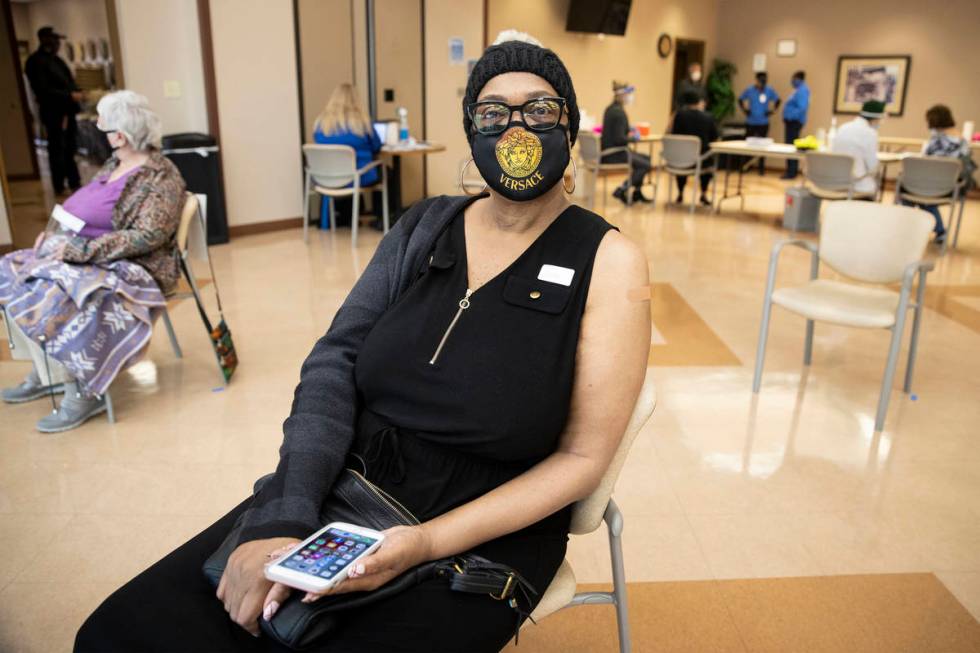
(344, 122)
(859, 138)
(944, 141)
(616, 133)
(83, 304)
(693, 120)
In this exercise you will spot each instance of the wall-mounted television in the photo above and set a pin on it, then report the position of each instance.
(598, 16)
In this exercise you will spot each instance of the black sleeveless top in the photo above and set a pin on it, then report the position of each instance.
(487, 373)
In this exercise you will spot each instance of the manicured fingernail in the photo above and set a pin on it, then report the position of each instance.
(359, 569)
(270, 610)
(308, 598)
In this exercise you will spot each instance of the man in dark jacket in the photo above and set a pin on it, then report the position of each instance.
(616, 132)
(693, 120)
(57, 97)
(692, 82)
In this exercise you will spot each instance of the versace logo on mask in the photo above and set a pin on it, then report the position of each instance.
(521, 164)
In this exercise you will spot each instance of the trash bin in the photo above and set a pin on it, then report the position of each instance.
(198, 159)
(802, 210)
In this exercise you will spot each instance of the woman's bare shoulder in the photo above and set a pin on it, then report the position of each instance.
(619, 264)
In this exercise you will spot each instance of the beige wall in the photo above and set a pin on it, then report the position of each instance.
(594, 62)
(446, 84)
(326, 50)
(161, 42)
(398, 38)
(22, 21)
(942, 39)
(258, 107)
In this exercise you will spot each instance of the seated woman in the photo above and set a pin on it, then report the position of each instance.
(944, 141)
(488, 360)
(616, 132)
(83, 304)
(343, 122)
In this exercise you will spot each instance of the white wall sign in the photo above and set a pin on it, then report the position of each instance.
(786, 48)
(758, 62)
(456, 51)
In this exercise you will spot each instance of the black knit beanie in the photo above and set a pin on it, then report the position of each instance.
(521, 57)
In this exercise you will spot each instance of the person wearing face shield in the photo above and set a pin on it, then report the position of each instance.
(859, 138)
(484, 366)
(693, 83)
(82, 302)
(616, 132)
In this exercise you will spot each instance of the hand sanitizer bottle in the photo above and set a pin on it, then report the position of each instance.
(402, 124)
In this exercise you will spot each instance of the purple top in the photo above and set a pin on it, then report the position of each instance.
(94, 202)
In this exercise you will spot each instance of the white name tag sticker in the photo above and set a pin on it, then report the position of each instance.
(762, 98)
(69, 221)
(556, 274)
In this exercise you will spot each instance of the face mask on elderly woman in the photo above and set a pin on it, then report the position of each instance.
(520, 159)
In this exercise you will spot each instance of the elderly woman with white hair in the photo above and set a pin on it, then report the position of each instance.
(82, 302)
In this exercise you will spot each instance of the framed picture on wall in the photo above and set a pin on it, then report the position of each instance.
(864, 77)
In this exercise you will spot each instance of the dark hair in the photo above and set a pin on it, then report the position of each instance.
(690, 97)
(799, 74)
(520, 56)
(940, 117)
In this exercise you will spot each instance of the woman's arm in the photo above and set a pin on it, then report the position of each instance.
(155, 225)
(611, 364)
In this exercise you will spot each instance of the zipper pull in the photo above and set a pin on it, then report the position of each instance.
(464, 304)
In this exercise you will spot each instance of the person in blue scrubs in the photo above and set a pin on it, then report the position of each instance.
(344, 122)
(759, 101)
(794, 117)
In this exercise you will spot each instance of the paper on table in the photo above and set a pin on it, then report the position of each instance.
(67, 220)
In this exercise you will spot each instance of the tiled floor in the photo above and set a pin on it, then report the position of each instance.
(721, 484)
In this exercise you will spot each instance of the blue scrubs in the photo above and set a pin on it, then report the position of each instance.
(759, 101)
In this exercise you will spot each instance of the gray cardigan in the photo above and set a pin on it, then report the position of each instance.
(320, 428)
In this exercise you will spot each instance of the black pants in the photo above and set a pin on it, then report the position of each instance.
(640, 164)
(705, 182)
(62, 143)
(171, 607)
(793, 128)
(761, 131)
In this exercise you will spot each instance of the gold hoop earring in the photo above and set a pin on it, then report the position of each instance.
(574, 175)
(462, 185)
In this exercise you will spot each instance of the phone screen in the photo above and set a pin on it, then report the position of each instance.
(328, 554)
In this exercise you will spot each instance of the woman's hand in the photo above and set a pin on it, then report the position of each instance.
(403, 548)
(243, 587)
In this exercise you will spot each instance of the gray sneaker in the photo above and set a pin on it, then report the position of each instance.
(30, 389)
(75, 408)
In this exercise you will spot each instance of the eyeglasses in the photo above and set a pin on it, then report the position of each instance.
(539, 114)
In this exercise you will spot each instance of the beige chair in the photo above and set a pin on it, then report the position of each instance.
(191, 237)
(934, 181)
(680, 156)
(587, 515)
(829, 176)
(331, 170)
(870, 243)
(590, 154)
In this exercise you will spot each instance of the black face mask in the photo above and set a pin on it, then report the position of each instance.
(521, 164)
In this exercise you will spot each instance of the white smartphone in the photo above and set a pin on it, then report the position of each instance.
(324, 558)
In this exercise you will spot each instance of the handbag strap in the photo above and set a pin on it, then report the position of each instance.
(197, 299)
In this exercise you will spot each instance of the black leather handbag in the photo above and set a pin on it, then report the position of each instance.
(355, 500)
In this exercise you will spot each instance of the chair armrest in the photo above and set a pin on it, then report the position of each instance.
(918, 267)
(613, 518)
(707, 155)
(373, 164)
(774, 260)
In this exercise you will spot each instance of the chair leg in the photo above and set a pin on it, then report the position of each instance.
(173, 335)
(333, 215)
(914, 337)
(355, 216)
(808, 343)
(110, 410)
(959, 221)
(384, 200)
(306, 204)
(893, 349)
(614, 519)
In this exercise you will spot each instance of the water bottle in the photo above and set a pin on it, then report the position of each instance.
(402, 124)
(821, 138)
(832, 134)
